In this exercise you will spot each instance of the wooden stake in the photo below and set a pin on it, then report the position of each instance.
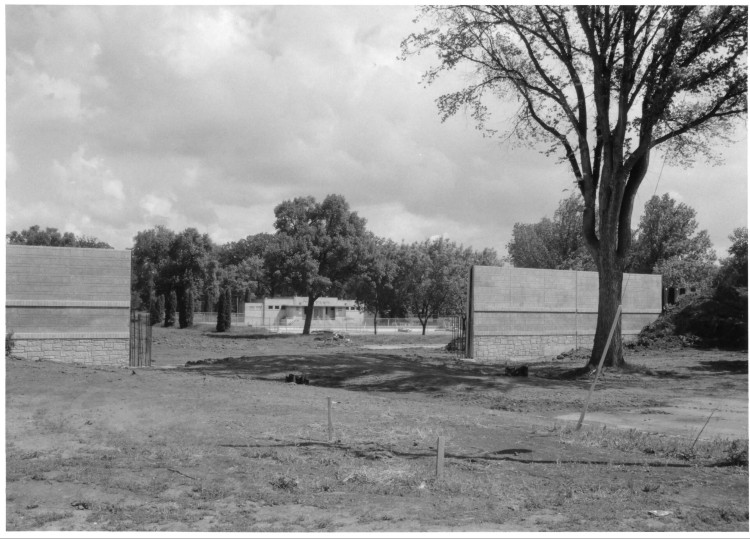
(440, 456)
(330, 422)
(601, 362)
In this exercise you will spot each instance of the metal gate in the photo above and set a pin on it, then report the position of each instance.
(140, 339)
(458, 335)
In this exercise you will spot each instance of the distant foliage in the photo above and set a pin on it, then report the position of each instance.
(51, 237)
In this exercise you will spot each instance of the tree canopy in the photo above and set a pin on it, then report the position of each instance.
(555, 243)
(668, 241)
(602, 86)
(322, 242)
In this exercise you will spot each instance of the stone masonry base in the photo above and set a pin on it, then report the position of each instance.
(104, 352)
(520, 347)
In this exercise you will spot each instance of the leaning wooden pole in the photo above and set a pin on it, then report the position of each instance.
(601, 362)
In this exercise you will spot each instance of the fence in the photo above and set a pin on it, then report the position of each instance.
(140, 339)
(210, 318)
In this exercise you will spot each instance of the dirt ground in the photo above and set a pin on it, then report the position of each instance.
(225, 444)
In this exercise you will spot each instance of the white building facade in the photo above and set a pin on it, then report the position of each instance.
(328, 313)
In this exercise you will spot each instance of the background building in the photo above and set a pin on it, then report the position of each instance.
(290, 312)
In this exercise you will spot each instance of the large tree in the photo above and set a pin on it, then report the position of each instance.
(605, 86)
(322, 243)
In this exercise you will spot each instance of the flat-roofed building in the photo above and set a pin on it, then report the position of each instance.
(289, 312)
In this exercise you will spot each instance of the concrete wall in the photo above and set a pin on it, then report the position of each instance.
(521, 313)
(68, 304)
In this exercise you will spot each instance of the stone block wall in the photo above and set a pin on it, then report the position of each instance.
(68, 304)
(517, 313)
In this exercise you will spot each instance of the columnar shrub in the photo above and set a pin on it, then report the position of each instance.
(228, 306)
(170, 308)
(157, 310)
(221, 314)
(186, 308)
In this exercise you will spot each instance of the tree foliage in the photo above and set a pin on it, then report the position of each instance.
(602, 86)
(555, 243)
(150, 260)
(52, 237)
(433, 277)
(667, 241)
(733, 270)
(374, 285)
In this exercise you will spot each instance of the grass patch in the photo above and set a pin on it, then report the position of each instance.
(718, 451)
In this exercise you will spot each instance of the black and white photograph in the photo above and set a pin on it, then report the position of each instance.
(392, 270)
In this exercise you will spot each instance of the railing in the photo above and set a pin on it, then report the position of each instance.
(385, 325)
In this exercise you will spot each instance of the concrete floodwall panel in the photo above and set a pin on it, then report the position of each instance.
(68, 304)
(518, 312)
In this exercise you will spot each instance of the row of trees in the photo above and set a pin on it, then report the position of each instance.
(51, 237)
(667, 241)
(319, 249)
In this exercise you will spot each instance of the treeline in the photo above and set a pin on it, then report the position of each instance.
(51, 237)
(667, 241)
(319, 249)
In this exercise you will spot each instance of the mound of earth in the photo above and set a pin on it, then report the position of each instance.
(717, 319)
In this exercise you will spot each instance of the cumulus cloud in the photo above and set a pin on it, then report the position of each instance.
(122, 117)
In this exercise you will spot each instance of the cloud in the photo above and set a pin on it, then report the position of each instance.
(122, 117)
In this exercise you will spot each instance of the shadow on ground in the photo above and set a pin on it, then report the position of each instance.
(722, 366)
(374, 372)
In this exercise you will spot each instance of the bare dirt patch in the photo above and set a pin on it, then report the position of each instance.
(226, 444)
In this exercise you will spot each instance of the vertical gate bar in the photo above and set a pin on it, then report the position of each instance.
(148, 342)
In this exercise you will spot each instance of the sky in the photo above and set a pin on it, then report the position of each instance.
(122, 118)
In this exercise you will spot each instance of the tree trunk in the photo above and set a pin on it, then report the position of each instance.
(375, 323)
(308, 314)
(610, 297)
